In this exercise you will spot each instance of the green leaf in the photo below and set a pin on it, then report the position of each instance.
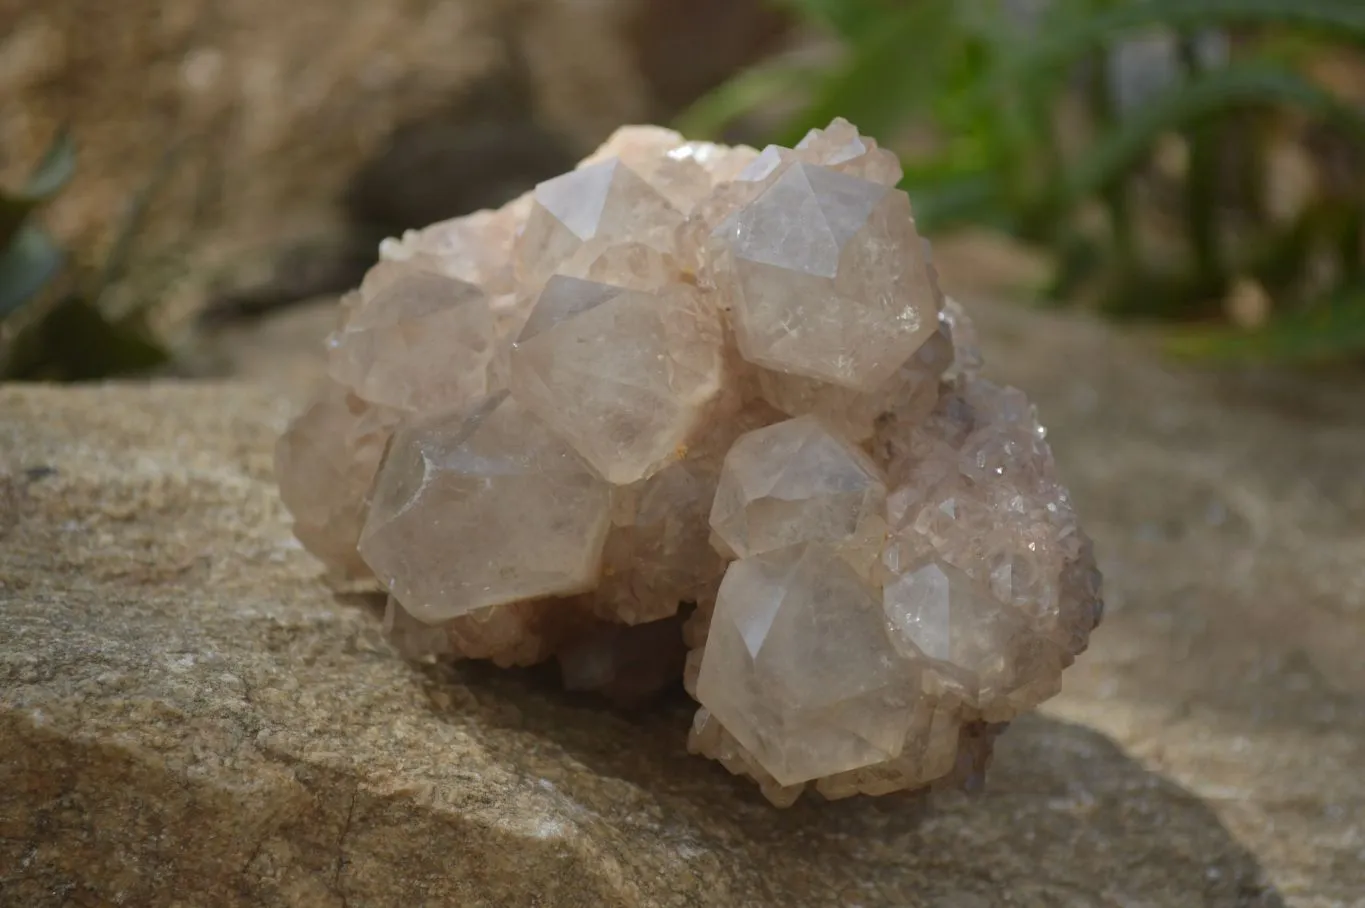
(708, 117)
(1210, 95)
(52, 173)
(1331, 331)
(26, 265)
(1342, 20)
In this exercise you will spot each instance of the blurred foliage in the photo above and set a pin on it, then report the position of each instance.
(49, 329)
(1014, 122)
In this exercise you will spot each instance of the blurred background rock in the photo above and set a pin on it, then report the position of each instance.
(272, 144)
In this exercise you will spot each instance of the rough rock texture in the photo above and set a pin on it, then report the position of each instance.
(189, 717)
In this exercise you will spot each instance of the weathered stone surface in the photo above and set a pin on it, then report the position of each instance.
(187, 716)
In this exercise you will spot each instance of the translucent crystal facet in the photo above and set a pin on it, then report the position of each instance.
(588, 209)
(976, 488)
(624, 376)
(704, 411)
(480, 507)
(325, 463)
(793, 482)
(800, 669)
(683, 172)
(827, 278)
(420, 340)
(475, 248)
(840, 146)
(909, 394)
(659, 554)
(987, 651)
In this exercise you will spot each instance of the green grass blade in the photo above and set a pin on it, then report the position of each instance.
(1205, 141)
(53, 172)
(26, 265)
(1212, 94)
(1331, 331)
(1342, 20)
(972, 198)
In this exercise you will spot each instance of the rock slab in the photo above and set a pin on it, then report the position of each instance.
(188, 717)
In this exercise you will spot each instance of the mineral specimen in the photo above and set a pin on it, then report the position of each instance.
(706, 398)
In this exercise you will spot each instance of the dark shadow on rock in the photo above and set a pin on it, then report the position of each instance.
(1066, 817)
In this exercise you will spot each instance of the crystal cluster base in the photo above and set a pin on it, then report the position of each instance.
(704, 411)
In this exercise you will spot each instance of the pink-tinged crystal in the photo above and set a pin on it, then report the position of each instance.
(624, 376)
(420, 341)
(481, 507)
(794, 482)
(476, 248)
(827, 278)
(689, 397)
(799, 667)
(658, 553)
(587, 210)
(683, 172)
(908, 395)
(325, 463)
(840, 147)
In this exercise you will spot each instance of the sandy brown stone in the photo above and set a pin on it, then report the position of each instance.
(189, 717)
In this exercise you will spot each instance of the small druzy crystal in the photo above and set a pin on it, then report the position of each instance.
(704, 411)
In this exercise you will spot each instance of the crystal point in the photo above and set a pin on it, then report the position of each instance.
(792, 482)
(827, 278)
(480, 507)
(591, 208)
(325, 463)
(420, 340)
(799, 667)
(624, 376)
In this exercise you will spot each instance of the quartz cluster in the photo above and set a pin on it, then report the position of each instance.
(699, 410)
